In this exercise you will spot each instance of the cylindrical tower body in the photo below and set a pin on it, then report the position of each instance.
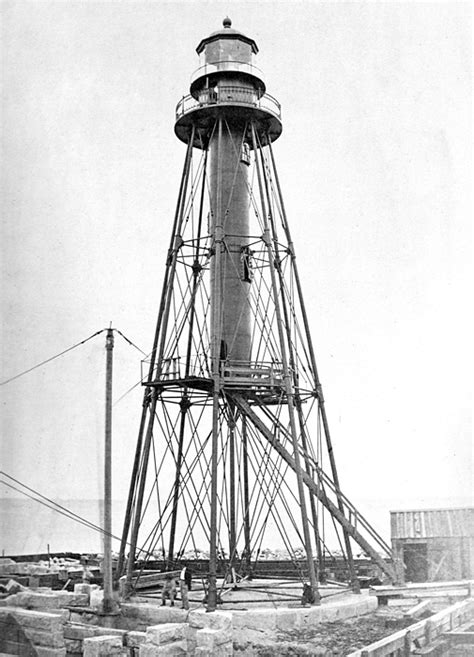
(227, 96)
(229, 196)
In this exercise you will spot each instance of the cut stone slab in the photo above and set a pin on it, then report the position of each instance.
(135, 639)
(50, 652)
(102, 646)
(176, 649)
(210, 639)
(42, 621)
(166, 633)
(217, 620)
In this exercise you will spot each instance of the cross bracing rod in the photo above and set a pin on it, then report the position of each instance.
(314, 488)
(317, 382)
(353, 513)
(286, 373)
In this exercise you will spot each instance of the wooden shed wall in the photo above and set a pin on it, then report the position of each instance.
(432, 523)
(436, 559)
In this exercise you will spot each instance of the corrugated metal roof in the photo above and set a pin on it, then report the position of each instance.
(427, 523)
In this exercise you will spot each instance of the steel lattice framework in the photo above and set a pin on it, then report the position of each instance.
(234, 441)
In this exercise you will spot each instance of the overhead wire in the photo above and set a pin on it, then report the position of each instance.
(129, 341)
(65, 351)
(48, 360)
(51, 504)
(78, 344)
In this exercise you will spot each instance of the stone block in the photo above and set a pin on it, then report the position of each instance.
(147, 614)
(23, 599)
(309, 617)
(12, 587)
(102, 646)
(287, 620)
(37, 570)
(166, 633)
(210, 639)
(224, 650)
(6, 561)
(135, 639)
(176, 649)
(130, 624)
(43, 651)
(7, 567)
(370, 604)
(96, 598)
(22, 567)
(332, 613)
(263, 620)
(216, 620)
(42, 621)
(75, 631)
(82, 631)
(191, 638)
(73, 646)
(82, 587)
(344, 609)
(42, 600)
(40, 638)
(69, 599)
(84, 617)
(148, 650)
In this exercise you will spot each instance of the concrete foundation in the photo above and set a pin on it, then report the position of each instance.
(54, 624)
(263, 627)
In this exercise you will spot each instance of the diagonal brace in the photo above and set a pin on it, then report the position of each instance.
(388, 569)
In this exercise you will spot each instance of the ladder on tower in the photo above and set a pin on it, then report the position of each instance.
(319, 484)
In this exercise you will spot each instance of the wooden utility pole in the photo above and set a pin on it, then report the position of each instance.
(107, 563)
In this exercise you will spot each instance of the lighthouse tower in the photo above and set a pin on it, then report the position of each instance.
(234, 453)
(227, 104)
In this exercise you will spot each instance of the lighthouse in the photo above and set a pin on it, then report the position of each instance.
(227, 98)
(234, 448)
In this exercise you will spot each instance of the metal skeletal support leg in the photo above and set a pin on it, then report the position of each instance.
(354, 581)
(286, 374)
(290, 346)
(315, 489)
(216, 354)
(139, 499)
(137, 485)
(184, 405)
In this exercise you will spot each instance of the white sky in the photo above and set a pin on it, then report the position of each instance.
(375, 165)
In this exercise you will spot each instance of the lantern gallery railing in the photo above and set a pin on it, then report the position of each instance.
(228, 95)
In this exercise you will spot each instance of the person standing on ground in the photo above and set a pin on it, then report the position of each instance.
(169, 590)
(87, 575)
(184, 586)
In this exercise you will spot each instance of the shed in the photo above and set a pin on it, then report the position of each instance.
(434, 544)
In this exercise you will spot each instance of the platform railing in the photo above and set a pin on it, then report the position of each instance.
(240, 373)
(252, 373)
(228, 95)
